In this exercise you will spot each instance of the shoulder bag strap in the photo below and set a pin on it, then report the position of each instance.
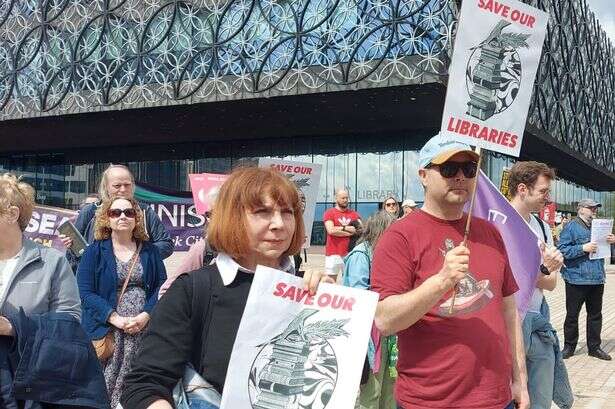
(145, 220)
(542, 227)
(135, 257)
(202, 307)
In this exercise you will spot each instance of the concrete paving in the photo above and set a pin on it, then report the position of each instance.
(592, 380)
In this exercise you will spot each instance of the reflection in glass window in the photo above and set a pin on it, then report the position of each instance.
(413, 189)
(338, 171)
(367, 209)
(379, 175)
(368, 176)
(299, 158)
(212, 165)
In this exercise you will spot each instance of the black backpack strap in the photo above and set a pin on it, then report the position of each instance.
(542, 227)
(203, 282)
(208, 253)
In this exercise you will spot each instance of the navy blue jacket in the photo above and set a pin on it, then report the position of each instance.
(154, 227)
(51, 360)
(98, 284)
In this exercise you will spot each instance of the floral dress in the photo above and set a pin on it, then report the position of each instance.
(126, 345)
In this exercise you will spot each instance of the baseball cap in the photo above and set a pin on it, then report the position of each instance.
(409, 203)
(589, 203)
(439, 149)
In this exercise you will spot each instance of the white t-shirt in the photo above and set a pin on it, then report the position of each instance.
(537, 295)
(7, 269)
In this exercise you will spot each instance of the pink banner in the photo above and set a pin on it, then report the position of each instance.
(205, 188)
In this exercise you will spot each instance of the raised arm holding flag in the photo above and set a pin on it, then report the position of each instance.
(445, 282)
(470, 356)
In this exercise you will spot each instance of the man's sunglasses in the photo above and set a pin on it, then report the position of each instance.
(450, 169)
(115, 213)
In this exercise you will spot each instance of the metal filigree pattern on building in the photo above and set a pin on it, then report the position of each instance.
(69, 56)
(574, 93)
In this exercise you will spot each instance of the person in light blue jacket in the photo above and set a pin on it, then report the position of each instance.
(377, 392)
(584, 279)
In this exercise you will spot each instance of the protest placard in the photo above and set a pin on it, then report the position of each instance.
(205, 188)
(44, 223)
(306, 176)
(601, 228)
(491, 76)
(296, 350)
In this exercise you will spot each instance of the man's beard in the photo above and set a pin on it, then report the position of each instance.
(588, 219)
(342, 206)
(540, 206)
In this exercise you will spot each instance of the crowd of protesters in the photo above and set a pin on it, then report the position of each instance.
(122, 331)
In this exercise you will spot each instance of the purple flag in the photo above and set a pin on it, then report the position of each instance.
(521, 242)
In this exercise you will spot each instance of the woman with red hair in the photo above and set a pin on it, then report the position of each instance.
(257, 221)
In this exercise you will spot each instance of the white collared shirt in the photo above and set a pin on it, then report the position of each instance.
(228, 267)
(7, 269)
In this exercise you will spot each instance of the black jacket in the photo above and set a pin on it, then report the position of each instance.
(172, 341)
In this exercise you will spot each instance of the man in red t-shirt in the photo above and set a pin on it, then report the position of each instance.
(468, 355)
(338, 221)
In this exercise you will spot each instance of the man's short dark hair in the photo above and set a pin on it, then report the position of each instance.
(527, 172)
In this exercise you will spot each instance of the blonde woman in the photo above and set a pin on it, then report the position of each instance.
(24, 263)
(119, 277)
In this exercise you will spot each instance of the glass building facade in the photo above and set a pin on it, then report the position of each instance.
(370, 177)
(67, 59)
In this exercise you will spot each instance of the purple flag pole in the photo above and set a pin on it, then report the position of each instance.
(521, 243)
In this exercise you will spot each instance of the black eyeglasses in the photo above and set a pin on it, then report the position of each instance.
(115, 213)
(449, 169)
(393, 204)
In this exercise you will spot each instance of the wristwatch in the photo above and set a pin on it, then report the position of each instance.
(544, 270)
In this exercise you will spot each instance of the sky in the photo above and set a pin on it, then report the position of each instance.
(605, 12)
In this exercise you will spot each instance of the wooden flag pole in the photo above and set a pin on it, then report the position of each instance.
(469, 220)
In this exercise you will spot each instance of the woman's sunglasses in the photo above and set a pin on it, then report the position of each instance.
(393, 204)
(450, 169)
(115, 213)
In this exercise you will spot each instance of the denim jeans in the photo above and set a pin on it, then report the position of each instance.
(538, 330)
(540, 360)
